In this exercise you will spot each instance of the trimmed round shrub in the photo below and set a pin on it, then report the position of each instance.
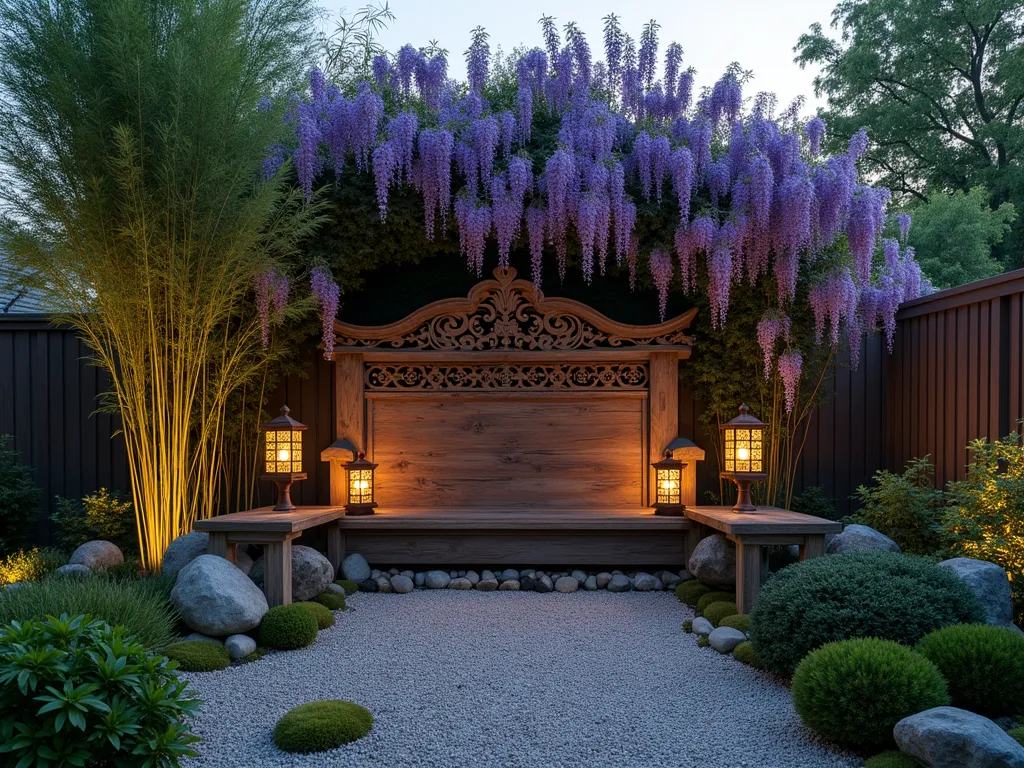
(332, 601)
(891, 759)
(322, 725)
(287, 627)
(740, 621)
(198, 655)
(714, 597)
(853, 692)
(718, 611)
(744, 653)
(322, 614)
(689, 592)
(1017, 734)
(984, 666)
(348, 585)
(886, 595)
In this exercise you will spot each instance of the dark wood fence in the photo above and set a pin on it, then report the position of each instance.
(956, 372)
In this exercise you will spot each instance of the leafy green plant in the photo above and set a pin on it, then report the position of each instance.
(287, 627)
(891, 759)
(198, 655)
(690, 592)
(75, 691)
(141, 606)
(322, 614)
(1017, 734)
(322, 725)
(984, 666)
(745, 654)
(718, 611)
(813, 501)
(853, 692)
(713, 597)
(885, 595)
(740, 621)
(331, 600)
(907, 507)
(703, 642)
(101, 515)
(688, 626)
(19, 499)
(350, 587)
(30, 564)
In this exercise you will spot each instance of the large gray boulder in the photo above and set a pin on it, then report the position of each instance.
(713, 561)
(183, 550)
(860, 538)
(947, 737)
(217, 599)
(312, 573)
(355, 568)
(989, 584)
(97, 555)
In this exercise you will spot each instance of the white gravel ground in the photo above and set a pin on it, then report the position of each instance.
(459, 679)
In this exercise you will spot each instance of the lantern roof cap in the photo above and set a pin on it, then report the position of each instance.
(360, 462)
(284, 421)
(744, 419)
(668, 461)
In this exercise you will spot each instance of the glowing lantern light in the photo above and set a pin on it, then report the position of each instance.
(743, 451)
(283, 456)
(360, 486)
(668, 486)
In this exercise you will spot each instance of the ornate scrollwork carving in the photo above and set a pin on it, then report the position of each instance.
(401, 377)
(510, 314)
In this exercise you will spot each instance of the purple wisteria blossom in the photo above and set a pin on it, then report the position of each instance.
(661, 271)
(790, 367)
(325, 294)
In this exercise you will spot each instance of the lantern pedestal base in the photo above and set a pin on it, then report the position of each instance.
(284, 489)
(356, 510)
(744, 503)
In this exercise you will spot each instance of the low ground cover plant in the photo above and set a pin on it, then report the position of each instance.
(868, 594)
(891, 759)
(745, 654)
(322, 725)
(322, 614)
(690, 592)
(740, 621)
(76, 691)
(101, 515)
(906, 507)
(717, 596)
(331, 600)
(19, 499)
(198, 655)
(853, 692)
(718, 611)
(287, 627)
(30, 564)
(350, 587)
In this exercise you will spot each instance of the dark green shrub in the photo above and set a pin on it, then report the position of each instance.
(331, 600)
(907, 508)
(198, 655)
(1017, 734)
(868, 594)
(350, 587)
(718, 611)
(78, 692)
(703, 642)
(19, 500)
(740, 621)
(718, 596)
(688, 625)
(30, 565)
(813, 501)
(287, 627)
(745, 654)
(141, 606)
(983, 665)
(891, 759)
(853, 692)
(322, 725)
(689, 592)
(101, 515)
(322, 614)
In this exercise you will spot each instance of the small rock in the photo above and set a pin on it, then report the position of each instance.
(375, 574)
(97, 555)
(355, 568)
(526, 572)
(544, 584)
(685, 575)
(437, 580)
(200, 637)
(619, 583)
(368, 585)
(420, 579)
(182, 551)
(590, 584)
(527, 583)
(989, 584)
(713, 561)
(383, 583)
(509, 574)
(460, 583)
(336, 589)
(566, 584)
(672, 581)
(860, 538)
(487, 585)
(473, 577)
(409, 575)
(580, 576)
(392, 572)
(240, 646)
(702, 626)
(617, 573)
(74, 569)
(509, 586)
(603, 579)
(644, 582)
(453, 574)
(948, 737)
(725, 639)
(403, 585)
(488, 575)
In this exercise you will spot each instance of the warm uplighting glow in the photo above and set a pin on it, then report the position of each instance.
(283, 454)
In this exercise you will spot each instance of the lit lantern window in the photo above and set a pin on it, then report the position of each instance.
(743, 455)
(668, 486)
(360, 486)
(282, 456)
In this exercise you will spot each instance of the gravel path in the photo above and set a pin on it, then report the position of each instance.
(464, 679)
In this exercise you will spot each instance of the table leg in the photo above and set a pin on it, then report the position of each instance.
(748, 575)
(335, 545)
(220, 546)
(277, 573)
(814, 546)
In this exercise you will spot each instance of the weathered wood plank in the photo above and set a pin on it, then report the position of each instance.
(266, 519)
(664, 409)
(748, 575)
(767, 520)
(511, 519)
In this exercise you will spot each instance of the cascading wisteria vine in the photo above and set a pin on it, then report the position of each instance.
(751, 194)
(271, 289)
(325, 293)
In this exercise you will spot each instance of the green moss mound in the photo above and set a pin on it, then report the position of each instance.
(744, 653)
(703, 642)
(1017, 734)
(322, 614)
(718, 611)
(868, 594)
(718, 596)
(740, 621)
(853, 692)
(322, 725)
(689, 592)
(983, 665)
(332, 601)
(348, 585)
(891, 759)
(198, 655)
(287, 627)
(688, 626)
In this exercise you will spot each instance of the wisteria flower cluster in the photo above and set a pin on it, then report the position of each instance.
(271, 288)
(750, 192)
